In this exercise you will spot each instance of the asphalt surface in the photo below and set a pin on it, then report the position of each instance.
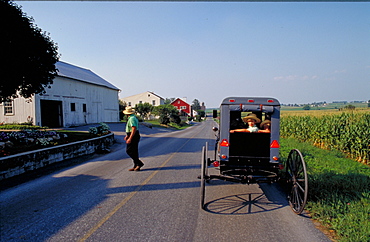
(100, 200)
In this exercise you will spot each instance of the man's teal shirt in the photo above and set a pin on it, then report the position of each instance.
(132, 122)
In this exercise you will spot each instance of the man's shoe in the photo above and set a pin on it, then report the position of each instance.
(132, 169)
(137, 168)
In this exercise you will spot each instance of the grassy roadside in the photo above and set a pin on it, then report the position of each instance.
(339, 191)
(155, 123)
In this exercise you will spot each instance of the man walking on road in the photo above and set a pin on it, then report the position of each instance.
(132, 138)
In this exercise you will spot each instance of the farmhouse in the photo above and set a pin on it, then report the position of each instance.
(77, 96)
(145, 97)
(183, 107)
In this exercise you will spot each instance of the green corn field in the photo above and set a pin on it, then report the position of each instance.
(348, 132)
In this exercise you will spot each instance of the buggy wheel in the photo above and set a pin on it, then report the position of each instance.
(297, 181)
(203, 178)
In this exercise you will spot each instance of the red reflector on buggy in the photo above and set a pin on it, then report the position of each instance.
(281, 166)
(216, 164)
(224, 143)
(274, 144)
(232, 100)
(270, 101)
(250, 100)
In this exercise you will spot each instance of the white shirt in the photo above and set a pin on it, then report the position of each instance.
(253, 129)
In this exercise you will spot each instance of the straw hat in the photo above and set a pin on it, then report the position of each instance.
(129, 110)
(268, 122)
(251, 116)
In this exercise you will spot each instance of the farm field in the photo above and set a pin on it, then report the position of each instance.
(328, 106)
(316, 113)
(347, 132)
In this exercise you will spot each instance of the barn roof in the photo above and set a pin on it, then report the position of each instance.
(81, 74)
(180, 99)
(143, 94)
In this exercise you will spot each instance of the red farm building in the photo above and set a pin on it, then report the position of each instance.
(183, 107)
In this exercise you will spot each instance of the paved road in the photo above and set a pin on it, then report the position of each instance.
(100, 200)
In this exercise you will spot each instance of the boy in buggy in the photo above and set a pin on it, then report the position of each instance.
(251, 120)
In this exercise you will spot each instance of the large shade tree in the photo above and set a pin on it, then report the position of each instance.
(166, 112)
(28, 54)
(144, 109)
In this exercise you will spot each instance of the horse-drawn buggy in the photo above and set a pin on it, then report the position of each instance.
(247, 149)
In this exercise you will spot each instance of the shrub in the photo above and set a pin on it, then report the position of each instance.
(102, 129)
(163, 119)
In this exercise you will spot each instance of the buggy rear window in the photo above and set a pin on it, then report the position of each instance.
(237, 122)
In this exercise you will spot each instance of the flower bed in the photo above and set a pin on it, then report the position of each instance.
(19, 164)
(14, 142)
(21, 141)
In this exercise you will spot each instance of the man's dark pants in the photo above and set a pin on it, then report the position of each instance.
(132, 149)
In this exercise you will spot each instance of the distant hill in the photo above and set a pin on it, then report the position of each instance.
(324, 105)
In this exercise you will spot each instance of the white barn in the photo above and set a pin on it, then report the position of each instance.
(77, 97)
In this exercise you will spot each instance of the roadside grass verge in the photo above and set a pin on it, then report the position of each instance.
(155, 123)
(339, 190)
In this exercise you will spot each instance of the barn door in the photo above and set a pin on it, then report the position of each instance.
(51, 113)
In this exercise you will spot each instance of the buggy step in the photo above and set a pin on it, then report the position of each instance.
(249, 179)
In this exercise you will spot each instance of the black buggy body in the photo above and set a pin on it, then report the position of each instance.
(249, 157)
(253, 157)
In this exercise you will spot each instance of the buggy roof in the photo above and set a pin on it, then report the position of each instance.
(250, 101)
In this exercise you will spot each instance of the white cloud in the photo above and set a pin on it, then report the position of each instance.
(291, 78)
(295, 78)
(341, 71)
(278, 78)
(332, 78)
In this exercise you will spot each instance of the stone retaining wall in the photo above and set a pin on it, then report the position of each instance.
(14, 165)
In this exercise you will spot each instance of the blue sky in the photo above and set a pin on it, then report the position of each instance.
(296, 52)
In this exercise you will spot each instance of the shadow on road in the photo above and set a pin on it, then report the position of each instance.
(269, 199)
(43, 214)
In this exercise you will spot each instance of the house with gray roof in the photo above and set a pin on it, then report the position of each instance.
(77, 96)
(145, 97)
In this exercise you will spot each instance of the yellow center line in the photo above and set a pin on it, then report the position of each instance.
(133, 193)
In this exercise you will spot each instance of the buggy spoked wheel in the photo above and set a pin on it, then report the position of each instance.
(297, 181)
(203, 175)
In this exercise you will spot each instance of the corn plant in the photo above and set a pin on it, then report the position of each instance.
(348, 132)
